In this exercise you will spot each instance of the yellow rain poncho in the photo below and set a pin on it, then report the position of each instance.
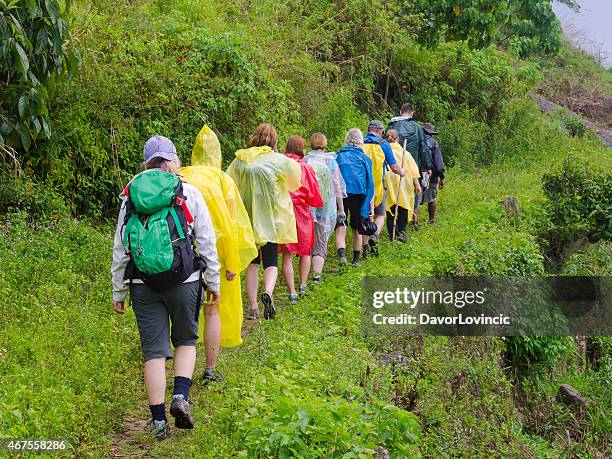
(406, 196)
(265, 179)
(235, 243)
(377, 155)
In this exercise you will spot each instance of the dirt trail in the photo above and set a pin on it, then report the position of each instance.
(128, 443)
(602, 132)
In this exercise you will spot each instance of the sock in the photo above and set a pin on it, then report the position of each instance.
(341, 252)
(181, 386)
(356, 254)
(209, 370)
(158, 412)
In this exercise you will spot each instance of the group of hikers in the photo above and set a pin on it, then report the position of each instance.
(183, 232)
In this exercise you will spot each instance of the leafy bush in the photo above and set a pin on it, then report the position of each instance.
(492, 251)
(331, 428)
(25, 194)
(221, 63)
(36, 44)
(569, 124)
(529, 25)
(594, 260)
(578, 207)
(526, 352)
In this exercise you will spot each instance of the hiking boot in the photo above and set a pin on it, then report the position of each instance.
(252, 314)
(317, 279)
(158, 429)
(342, 261)
(268, 302)
(303, 289)
(373, 239)
(355, 263)
(212, 376)
(415, 226)
(293, 298)
(365, 250)
(401, 236)
(181, 410)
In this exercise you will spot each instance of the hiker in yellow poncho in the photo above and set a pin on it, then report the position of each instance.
(409, 185)
(265, 178)
(222, 324)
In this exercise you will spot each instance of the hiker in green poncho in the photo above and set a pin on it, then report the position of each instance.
(164, 249)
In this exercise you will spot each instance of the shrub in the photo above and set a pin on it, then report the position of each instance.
(35, 45)
(578, 207)
(526, 353)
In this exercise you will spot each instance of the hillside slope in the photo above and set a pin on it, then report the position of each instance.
(306, 383)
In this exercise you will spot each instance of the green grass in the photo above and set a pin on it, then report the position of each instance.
(306, 384)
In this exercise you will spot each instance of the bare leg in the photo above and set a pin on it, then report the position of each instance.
(431, 207)
(155, 380)
(305, 262)
(380, 222)
(288, 271)
(252, 282)
(317, 264)
(184, 361)
(212, 333)
(356, 240)
(270, 275)
(341, 237)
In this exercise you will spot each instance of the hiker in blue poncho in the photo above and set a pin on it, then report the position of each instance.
(356, 170)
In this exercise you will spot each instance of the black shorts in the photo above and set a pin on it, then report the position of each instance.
(268, 256)
(352, 208)
(166, 316)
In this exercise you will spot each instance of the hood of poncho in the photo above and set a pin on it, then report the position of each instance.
(249, 154)
(318, 154)
(207, 149)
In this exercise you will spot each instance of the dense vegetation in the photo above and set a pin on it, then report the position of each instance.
(307, 384)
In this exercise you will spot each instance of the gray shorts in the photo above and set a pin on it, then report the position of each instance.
(430, 194)
(321, 237)
(155, 311)
(381, 209)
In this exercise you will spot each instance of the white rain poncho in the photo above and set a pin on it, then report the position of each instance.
(331, 186)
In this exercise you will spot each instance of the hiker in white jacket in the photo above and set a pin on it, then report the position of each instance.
(167, 311)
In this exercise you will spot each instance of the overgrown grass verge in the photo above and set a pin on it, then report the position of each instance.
(69, 370)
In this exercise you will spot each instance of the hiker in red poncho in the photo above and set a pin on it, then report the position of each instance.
(305, 197)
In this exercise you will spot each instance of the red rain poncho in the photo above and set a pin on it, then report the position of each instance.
(305, 197)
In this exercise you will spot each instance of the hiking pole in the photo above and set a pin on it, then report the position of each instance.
(399, 188)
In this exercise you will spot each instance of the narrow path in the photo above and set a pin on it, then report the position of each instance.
(602, 132)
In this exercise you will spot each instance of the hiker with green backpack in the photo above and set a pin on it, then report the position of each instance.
(164, 257)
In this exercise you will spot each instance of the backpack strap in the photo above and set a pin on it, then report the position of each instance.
(177, 222)
(199, 300)
(182, 202)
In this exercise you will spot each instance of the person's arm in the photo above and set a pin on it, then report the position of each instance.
(120, 259)
(339, 191)
(206, 242)
(390, 160)
(417, 185)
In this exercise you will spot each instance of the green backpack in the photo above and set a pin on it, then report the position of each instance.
(156, 231)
